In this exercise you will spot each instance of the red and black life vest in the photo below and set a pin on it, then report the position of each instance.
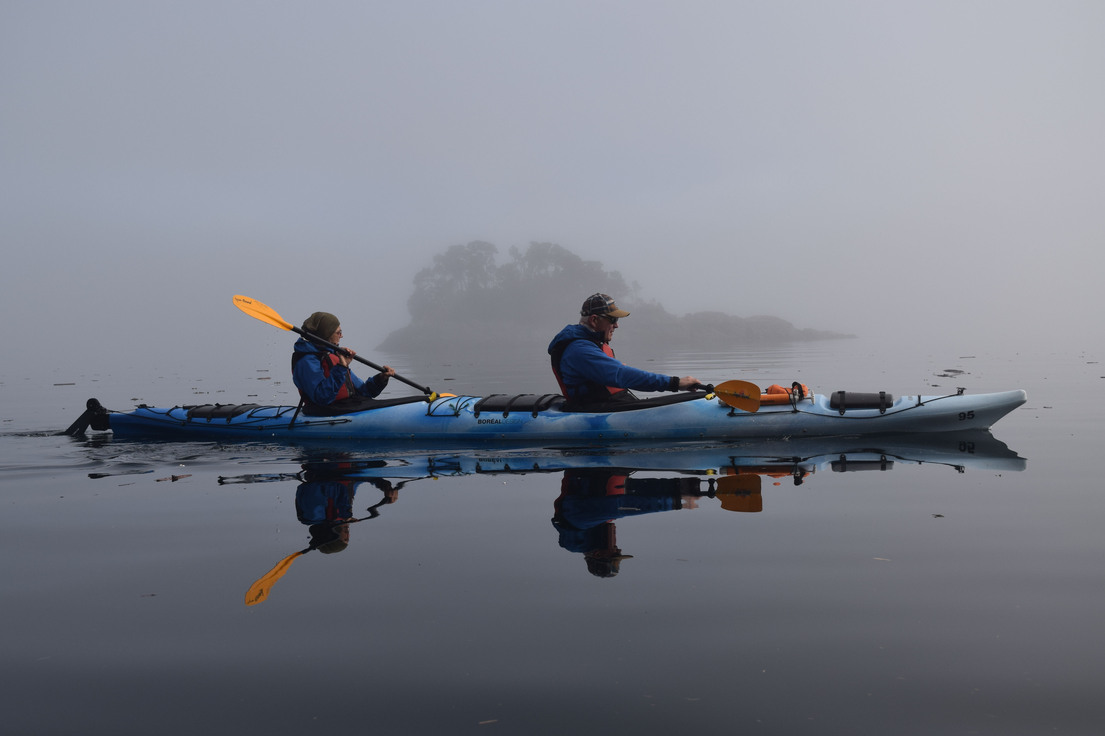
(328, 361)
(588, 391)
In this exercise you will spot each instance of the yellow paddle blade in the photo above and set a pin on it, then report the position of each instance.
(265, 313)
(259, 591)
(736, 484)
(740, 394)
(740, 493)
(261, 311)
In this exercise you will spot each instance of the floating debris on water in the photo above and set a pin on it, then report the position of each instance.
(124, 472)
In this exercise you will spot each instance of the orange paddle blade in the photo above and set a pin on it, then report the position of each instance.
(740, 493)
(259, 591)
(261, 311)
(739, 394)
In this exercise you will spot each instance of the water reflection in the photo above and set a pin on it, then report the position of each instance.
(324, 503)
(592, 500)
(602, 486)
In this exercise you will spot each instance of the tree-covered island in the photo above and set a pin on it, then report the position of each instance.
(467, 301)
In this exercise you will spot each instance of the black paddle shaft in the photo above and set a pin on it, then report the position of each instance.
(359, 359)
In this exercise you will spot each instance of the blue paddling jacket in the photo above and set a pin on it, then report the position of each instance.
(587, 373)
(322, 380)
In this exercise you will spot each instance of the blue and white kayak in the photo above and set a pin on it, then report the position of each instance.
(690, 416)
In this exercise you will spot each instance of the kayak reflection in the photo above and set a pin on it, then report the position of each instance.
(796, 458)
(603, 485)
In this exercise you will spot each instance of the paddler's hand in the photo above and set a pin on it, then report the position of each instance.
(688, 383)
(381, 379)
(345, 356)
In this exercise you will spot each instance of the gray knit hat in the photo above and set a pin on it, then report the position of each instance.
(322, 324)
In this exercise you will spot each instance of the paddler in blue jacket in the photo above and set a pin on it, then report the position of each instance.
(326, 508)
(592, 499)
(322, 375)
(586, 369)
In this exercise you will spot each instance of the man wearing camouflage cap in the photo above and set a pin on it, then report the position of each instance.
(586, 369)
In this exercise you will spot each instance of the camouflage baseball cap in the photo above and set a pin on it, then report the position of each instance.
(602, 305)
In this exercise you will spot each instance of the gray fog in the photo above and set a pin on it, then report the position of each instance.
(925, 168)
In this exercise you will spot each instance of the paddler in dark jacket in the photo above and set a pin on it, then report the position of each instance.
(322, 375)
(585, 367)
(592, 499)
(324, 501)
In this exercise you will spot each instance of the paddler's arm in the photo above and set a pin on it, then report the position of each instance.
(601, 368)
(372, 387)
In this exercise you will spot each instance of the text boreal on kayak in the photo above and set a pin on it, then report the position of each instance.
(546, 418)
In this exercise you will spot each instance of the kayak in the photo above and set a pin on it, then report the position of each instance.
(794, 459)
(690, 416)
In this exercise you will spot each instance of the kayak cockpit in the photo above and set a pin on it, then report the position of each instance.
(536, 404)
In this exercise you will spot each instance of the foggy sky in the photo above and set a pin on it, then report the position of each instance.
(851, 166)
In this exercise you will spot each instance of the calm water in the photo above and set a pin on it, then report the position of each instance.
(954, 588)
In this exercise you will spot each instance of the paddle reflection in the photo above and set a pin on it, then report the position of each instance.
(600, 487)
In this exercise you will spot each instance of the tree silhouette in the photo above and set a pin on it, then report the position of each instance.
(460, 274)
(465, 301)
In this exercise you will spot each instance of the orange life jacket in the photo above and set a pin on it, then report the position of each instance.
(776, 394)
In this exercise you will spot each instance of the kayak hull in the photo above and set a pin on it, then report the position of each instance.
(690, 417)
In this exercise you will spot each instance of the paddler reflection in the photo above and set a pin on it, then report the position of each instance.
(592, 500)
(326, 507)
(324, 503)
